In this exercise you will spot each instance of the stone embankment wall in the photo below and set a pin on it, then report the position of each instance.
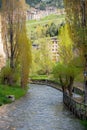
(78, 109)
(47, 82)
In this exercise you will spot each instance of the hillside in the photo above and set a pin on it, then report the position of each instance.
(44, 3)
(0, 3)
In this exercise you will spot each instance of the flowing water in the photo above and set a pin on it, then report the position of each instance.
(40, 109)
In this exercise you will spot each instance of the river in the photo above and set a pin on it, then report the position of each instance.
(40, 109)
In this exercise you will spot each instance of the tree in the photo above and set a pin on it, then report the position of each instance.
(42, 60)
(42, 6)
(13, 28)
(65, 75)
(25, 57)
(56, 3)
(65, 45)
(78, 26)
(65, 70)
(52, 30)
(45, 55)
(12, 22)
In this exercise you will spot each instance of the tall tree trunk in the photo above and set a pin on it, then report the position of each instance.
(70, 86)
(85, 80)
(62, 84)
(11, 39)
(12, 53)
(84, 51)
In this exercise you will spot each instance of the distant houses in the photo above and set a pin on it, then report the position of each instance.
(36, 14)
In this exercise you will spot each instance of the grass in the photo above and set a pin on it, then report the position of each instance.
(9, 90)
(43, 77)
(46, 19)
(84, 123)
(39, 77)
(31, 24)
(53, 16)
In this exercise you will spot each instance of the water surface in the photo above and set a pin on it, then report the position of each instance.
(40, 109)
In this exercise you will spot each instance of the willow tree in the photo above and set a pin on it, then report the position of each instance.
(24, 57)
(76, 15)
(65, 71)
(12, 21)
(45, 55)
(13, 14)
(42, 56)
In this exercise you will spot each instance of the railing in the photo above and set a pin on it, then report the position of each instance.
(78, 109)
(78, 91)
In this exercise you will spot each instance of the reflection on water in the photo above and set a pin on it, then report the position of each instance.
(41, 109)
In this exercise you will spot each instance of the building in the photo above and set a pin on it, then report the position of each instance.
(36, 14)
(52, 47)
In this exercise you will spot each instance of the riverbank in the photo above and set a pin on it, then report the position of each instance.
(41, 109)
(78, 100)
(76, 89)
(6, 90)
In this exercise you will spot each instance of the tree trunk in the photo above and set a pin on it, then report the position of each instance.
(62, 84)
(85, 92)
(11, 47)
(85, 80)
(11, 62)
(70, 86)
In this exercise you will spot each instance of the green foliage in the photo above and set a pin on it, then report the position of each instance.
(32, 3)
(65, 45)
(0, 3)
(48, 30)
(41, 72)
(84, 123)
(54, 17)
(65, 75)
(10, 90)
(37, 29)
(41, 58)
(59, 69)
(25, 57)
(52, 30)
(65, 71)
(42, 6)
(17, 44)
(39, 77)
(77, 23)
(9, 76)
(55, 3)
(78, 31)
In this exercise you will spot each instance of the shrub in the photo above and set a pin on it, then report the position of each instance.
(9, 76)
(66, 74)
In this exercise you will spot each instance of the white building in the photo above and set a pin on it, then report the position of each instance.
(37, 14)
(54, 49)
(52, 44)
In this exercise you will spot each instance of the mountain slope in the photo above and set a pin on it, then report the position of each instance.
(57, 3)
